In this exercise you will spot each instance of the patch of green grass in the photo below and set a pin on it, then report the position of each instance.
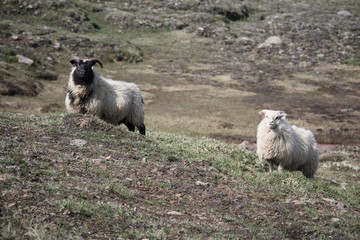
(90, 209)
(122, 191)
(332, 158)
(296, 182)
(15, 226)
(239, 163)
(350, 61)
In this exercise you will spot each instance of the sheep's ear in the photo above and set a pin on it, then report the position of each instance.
(282, 114)
(73, 62)
(263, 112)
(94, 61)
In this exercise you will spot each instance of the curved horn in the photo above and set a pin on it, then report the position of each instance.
(74, 61)
(94, 61)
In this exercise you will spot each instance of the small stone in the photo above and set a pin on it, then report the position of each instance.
(25, 60)
(57, 45)
(341, 206)
(305, 64)
(270, 41)
(34, 117)
(15, 38)
(212, 169)
(78, 142)
(96, 161)
(200, 183)
(11, 205)
(243, 144)
(175, 213)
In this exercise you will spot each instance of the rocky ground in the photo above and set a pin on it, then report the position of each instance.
(76, 177)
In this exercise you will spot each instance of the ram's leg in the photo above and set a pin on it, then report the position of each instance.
(142, 129)
(280, 167)
(130, 126)
(271, 166)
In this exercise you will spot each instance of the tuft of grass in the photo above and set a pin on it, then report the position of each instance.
(332, 158)
(122, 191)
(90, 209)
(350, 61)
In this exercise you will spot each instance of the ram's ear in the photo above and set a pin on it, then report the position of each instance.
(282, 114)
(263, 112)
(74, 62)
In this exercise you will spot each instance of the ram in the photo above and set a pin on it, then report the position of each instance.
(285, 146)
(113, 101)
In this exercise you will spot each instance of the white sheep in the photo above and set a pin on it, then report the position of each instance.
(113, 101)
(285, 146)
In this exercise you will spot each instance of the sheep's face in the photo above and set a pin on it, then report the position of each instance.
(83, 73)
(272, 118)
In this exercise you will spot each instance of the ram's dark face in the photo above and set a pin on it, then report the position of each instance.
(83, 73)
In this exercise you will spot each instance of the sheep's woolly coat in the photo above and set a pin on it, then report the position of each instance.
(287, 147)
(113, 101)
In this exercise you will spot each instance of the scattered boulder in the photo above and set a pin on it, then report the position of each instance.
(25, 60)
(270, 41)
(78, 142)
(174, 213)
(201, 183)
(15, 38)
(344, 14)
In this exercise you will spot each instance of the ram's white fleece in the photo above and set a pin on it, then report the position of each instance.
(287, 147)
(113, 101)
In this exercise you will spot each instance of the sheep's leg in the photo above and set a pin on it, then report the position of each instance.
(280, 167)
(130, 126)
(271, 166)
(142, 129)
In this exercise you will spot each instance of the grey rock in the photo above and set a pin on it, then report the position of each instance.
(175, 213)
(270, 41)
(344, 14)
(25, 60)
(204, 184)
(78, 142)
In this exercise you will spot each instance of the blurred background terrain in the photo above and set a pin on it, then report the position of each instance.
(205, 67)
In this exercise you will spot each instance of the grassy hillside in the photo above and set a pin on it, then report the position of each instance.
(76, 177)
